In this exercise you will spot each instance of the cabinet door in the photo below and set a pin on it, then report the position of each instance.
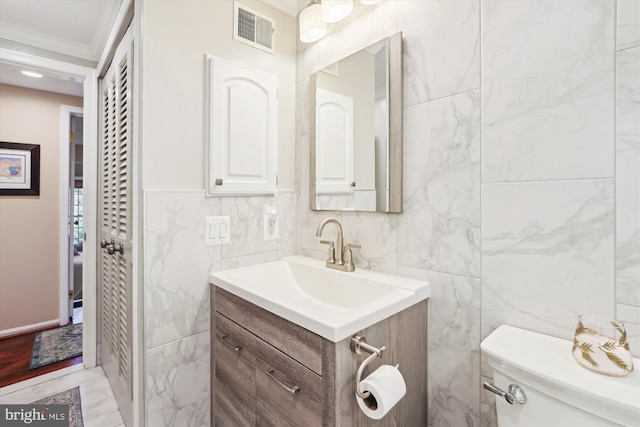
(235, 374)
(287, 393)
(242, 129)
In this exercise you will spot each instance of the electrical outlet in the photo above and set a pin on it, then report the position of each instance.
(269, 227)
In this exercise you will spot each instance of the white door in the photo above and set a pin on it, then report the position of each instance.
(242, 129)
(71, 211)
(334, 143)
(115, 257)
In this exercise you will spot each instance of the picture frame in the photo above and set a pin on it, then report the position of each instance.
(19, 169)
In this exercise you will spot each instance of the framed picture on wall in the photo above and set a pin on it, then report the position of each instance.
(19, 169)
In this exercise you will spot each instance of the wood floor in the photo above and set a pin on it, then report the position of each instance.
(15, 358)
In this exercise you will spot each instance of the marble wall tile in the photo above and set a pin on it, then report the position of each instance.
(377, 234)
(246, 225)
(628, 28)
(547, 254)
(488, 415)
(630, 316)
(454, 359)
(439, 229)
(246, 260)
(441, 48)
(177, 383)
(628, 177)
(547, 90)
(287, 203)
(303, 111)
(177, 264)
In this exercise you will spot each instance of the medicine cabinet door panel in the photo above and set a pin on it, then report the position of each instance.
(242, 129)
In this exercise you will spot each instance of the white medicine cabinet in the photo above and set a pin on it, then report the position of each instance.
(241, 129)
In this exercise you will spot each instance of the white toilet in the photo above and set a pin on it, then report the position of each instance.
(559, 392)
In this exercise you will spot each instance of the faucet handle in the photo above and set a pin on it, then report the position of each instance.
(331, 253)
(348, 257)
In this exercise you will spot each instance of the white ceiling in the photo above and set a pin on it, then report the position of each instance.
(72, 27)
(292, 7)
(76, 28)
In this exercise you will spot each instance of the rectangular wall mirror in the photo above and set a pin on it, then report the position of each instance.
(356, 132)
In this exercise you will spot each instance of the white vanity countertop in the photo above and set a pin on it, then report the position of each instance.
(330, 303)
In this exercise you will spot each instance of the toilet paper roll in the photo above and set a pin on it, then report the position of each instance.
(386, 386)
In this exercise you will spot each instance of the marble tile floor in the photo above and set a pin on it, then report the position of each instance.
(99, 407)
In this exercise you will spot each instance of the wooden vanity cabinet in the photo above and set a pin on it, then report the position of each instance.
(257, 381)
(234, 348)
(287, 392)
(267, 371)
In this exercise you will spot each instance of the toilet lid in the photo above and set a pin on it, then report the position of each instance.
(548, 363)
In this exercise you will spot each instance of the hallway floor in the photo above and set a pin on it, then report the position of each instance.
(15, 357)
(99, 407)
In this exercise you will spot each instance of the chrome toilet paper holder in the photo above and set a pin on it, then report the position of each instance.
(359, 345)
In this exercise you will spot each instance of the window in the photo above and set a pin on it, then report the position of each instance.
(77, 217)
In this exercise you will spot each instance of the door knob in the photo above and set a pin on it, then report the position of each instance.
(112, 248)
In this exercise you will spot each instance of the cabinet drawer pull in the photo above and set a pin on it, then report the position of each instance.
(235, 347)
(293, 390)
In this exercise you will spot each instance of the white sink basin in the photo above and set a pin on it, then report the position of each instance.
(330, 303)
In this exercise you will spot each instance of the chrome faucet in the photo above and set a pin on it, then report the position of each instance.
(339, 257)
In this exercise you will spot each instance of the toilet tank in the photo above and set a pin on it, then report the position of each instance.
(560, 392)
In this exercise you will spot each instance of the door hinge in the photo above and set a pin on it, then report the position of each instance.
(70, 295)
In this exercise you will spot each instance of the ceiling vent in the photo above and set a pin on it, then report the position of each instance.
(252, 28)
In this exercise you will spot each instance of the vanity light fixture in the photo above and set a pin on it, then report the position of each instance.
(336, 10)
(313, 19)
(31, 74)
(312, 27)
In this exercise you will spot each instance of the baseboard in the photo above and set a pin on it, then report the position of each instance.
(5, 333)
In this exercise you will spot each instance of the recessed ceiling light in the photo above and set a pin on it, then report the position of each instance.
(31, 74)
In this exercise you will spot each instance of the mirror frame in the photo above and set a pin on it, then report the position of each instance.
(394, 126)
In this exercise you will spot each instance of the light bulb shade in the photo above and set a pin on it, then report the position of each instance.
(31, 73)
(312, 27)
(369, 2)
(335, 10)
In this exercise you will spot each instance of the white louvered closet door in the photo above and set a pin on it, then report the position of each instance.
(115, 260)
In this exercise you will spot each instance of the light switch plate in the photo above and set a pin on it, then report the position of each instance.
(216, 230)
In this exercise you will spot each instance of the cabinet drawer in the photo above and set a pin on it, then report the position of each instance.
(235, 378)
(296, 341)
(287, 393)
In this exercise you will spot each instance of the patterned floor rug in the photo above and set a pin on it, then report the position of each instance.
(69, 397)
(56, 344)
